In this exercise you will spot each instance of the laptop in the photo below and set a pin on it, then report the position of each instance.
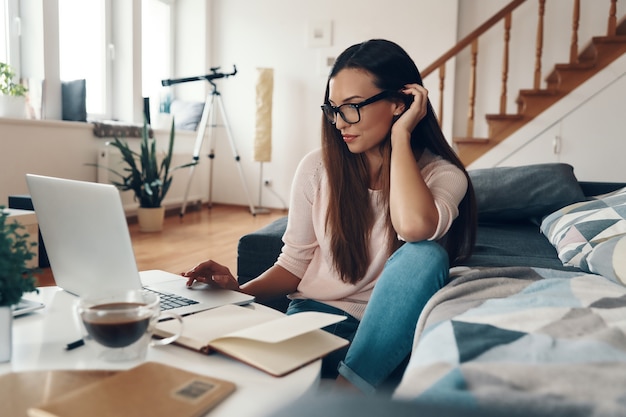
(84, 228)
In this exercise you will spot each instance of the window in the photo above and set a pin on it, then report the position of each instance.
(156, 50)
(83, 49)
(4, 33)
(87, 35)
(10, 34)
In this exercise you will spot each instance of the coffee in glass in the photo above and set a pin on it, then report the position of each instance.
(120, 325)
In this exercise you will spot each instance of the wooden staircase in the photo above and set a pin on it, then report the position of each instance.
(563, 79)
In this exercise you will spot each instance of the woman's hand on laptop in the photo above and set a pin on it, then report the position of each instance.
(211, 273)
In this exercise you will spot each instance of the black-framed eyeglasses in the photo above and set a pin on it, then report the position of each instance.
(349, 112)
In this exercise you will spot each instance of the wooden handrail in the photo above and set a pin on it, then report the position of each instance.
(470, 38)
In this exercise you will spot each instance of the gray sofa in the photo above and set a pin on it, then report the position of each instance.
(511, 204)
(503, 338)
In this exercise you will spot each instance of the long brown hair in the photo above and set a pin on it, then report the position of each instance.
(350, 215)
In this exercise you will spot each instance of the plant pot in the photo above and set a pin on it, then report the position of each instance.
(12, 106)
(150, 219)
(6, 331)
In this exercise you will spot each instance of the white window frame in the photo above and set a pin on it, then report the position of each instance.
(104, 48)
(123, 100)
(13, 33)
(154, 103)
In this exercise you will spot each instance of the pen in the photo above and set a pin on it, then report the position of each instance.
(75, 344)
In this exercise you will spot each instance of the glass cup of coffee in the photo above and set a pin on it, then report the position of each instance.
(120, 325)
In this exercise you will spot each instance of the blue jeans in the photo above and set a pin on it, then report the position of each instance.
(346, 329)
(384, 337)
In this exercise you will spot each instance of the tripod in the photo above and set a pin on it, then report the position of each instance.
(212, 103)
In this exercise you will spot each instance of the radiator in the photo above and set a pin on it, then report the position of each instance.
(109, 157)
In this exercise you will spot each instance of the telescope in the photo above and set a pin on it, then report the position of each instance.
(208, 77)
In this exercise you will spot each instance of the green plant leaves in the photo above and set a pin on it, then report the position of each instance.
(15, 251)
(149, 180)
(7, 86)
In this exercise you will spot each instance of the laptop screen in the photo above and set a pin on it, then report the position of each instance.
(84, 228)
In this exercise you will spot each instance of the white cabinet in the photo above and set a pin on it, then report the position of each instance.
(541, 149)
(591, 137)
(594, 136)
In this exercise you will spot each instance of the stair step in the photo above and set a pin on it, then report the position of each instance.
(468, 140)
(566, 77)
(601, 45)
(499, 122)
(532, 102)
(470, 149)
(533, 92)
(584, 65)
(610, 39)
(609, 48)
(504, 117)
(599, 52)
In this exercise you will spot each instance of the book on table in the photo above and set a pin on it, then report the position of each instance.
(22, 390)
(150, 389)
(263, 338)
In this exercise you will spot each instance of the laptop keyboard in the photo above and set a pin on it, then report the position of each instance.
(170, 301)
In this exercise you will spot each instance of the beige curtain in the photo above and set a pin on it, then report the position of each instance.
(263, 132)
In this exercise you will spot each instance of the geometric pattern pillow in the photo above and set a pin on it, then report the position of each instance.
(609, 259)
(580, 230)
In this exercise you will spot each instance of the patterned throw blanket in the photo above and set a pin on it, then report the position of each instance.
(522, 341)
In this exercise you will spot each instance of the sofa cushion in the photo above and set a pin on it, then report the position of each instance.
(74, 100)
(258, 251)
(514, 244)
(590, 235)
(187, 114)
(505, 194)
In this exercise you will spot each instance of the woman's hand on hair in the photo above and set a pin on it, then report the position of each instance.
(416, 111)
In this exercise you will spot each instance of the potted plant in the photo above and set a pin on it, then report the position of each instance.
(148, 178)
(16, 277)
(12, 94)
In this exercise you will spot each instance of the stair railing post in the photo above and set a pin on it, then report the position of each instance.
(539, 45)
(442, 80)
(505, 63)
(612, 27)
(573, 50)
(472, 90)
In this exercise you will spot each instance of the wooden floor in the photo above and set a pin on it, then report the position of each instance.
(199, 235)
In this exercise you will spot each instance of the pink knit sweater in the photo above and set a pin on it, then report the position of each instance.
(307, 254)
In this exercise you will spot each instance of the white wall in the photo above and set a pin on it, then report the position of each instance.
(251, 34)
(192, 46)
(66, 149)
(273, 33)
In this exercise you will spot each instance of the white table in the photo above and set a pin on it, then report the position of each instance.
(39, 341)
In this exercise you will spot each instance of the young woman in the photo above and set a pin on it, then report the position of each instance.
(376, 216)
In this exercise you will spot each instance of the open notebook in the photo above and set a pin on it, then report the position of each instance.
(84, 228)
(262, 338)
